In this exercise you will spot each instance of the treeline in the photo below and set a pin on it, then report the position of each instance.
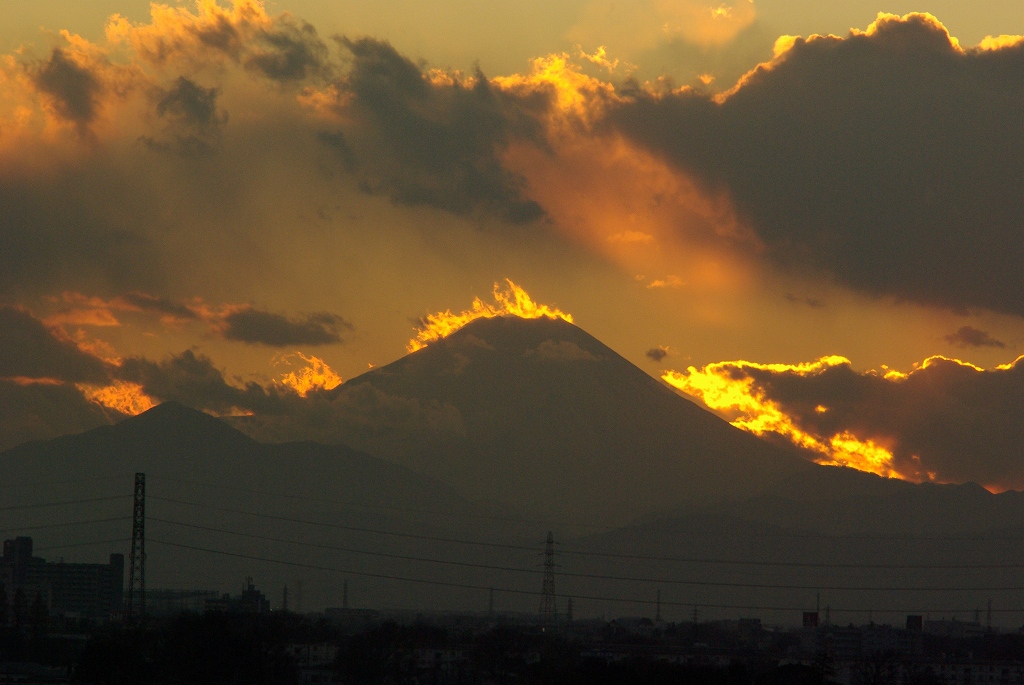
(24, 628)
(267, 649)
(286, 649)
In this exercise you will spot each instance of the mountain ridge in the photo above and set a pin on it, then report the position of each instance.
(557, 422)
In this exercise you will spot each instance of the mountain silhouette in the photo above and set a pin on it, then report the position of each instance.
(174, 441)
(558, 423)
(210, 487)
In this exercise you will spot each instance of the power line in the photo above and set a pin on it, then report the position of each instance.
(797, 564)
(349, 550)
(64, 503)
(82, 544)
(432, 512)
(468, 586)
(31, 485)
(637, 557)
(596, 576)
(377, 531)
(64, 524)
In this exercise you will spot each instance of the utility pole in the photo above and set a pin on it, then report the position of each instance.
(490, 604)
(657, 611)
(548, 610)
(137, 566)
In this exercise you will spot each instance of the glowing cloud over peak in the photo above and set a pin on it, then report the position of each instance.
(316, 375)
(514, 301)
(725, 388)
(122, 396)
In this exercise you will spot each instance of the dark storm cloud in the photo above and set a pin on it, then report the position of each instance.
(968, 336)
(160, 305)
(192, 122)
(74, 89)
(280, 48)
(656, 354)
(948, 418)
(193, 380)
(99, 213)
(266, 328)
(28, 349)
(890, 160)
(431, 142)
(292, 51)
(38, 370)
(193, 104)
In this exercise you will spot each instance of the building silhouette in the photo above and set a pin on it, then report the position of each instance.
(251, 601)
(66, 589)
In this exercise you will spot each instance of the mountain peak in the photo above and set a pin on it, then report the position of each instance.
(175, 422)
(555, 421)
(540, 338)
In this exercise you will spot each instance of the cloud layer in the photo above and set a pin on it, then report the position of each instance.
(874, 159)
(235, 322)
(50, 386)
(40, 368)
(178, 162)
(428, 139)
(32, 351)
(879, 159)
(254, 326)
(947, 420)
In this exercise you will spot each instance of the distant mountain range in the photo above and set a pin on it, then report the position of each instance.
(645, 490)
(211, 487)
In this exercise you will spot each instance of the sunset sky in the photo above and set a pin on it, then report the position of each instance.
(201, 196)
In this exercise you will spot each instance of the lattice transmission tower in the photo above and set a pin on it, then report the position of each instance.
(137, 566)
(548, 609)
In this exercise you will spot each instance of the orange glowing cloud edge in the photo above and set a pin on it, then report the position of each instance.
(757, 414)
(315, 375)
(122, 396)
(513, 301)
(754, 412)
(134, 59)
(134, 56)
(784, 44)
(131, 399)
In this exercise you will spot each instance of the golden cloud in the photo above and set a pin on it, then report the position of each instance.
(512, 301)
(945, 420)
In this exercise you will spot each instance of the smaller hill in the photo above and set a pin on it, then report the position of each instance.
(219, 503)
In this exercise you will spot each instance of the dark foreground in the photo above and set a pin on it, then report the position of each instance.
(283, 649)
